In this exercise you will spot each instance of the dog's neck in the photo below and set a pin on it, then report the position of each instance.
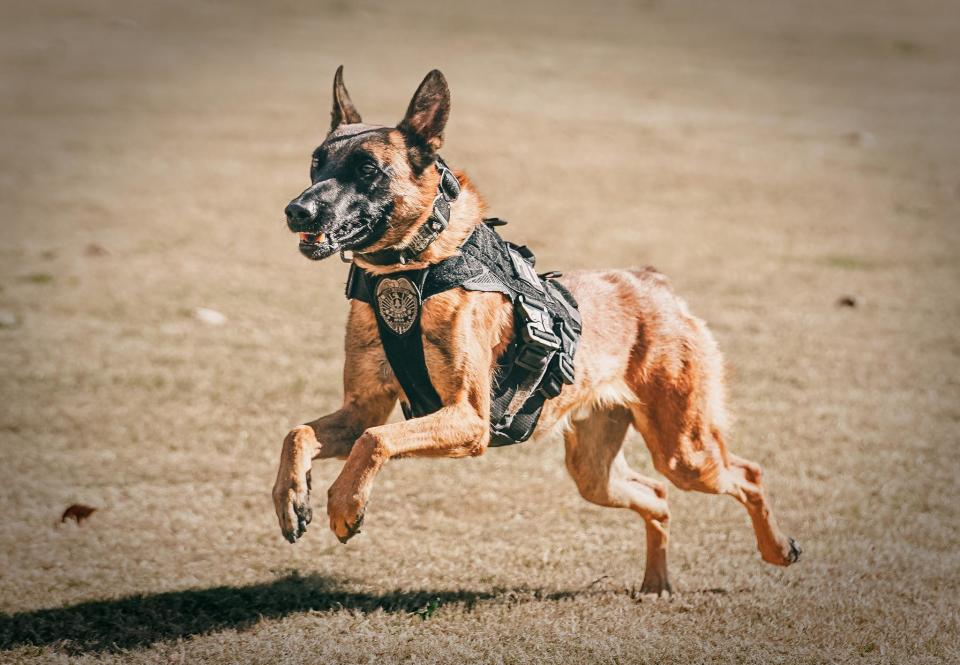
(466, 212)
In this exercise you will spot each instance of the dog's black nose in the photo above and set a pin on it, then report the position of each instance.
(298, 216)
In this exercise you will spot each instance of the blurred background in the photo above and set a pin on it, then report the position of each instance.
(792, 166)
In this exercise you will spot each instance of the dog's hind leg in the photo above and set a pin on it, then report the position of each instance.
(594, 456)
(693, 456)
(746, 487)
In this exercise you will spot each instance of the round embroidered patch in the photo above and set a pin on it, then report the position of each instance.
(399, 303)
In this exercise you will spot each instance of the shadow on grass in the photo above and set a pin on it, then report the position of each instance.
(137, 621)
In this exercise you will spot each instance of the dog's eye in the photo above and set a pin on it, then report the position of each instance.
(368, 169)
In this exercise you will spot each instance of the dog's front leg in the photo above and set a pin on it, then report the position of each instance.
(291, 491)
(330, 436)
(453, 431)
(369, 395)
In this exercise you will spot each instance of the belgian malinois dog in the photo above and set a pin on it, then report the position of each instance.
(644, 361)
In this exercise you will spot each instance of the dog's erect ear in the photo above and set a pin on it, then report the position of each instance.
(344, 112)
(426, 117)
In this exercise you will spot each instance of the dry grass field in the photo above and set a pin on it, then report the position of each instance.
(770, 157)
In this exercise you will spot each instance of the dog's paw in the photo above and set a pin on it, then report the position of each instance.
(787, 552)
(345, 530)
(653, 588)
(346, 514)
(292, 502)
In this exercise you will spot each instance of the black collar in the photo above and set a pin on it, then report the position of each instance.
(447, 192)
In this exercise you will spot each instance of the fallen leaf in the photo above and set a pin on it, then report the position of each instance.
(847, 301)
(78, 512)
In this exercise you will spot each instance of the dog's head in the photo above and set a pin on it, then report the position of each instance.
(370, 184)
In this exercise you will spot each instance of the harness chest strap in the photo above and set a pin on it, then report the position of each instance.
(536, 364)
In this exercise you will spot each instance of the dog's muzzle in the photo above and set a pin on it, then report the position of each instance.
(317, 243)
(302, 220)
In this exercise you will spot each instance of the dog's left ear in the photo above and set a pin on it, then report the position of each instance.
(426, 118)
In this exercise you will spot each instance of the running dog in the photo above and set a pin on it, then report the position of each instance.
(643, 360)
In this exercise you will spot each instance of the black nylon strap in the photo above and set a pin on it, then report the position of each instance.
(405, 352)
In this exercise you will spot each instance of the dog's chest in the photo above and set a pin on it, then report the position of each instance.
(433, 321)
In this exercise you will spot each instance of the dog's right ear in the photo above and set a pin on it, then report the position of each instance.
(344, 112)
(425, 120)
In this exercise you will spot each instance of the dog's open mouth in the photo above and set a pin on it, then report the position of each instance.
(311, 238)
(320, 245)
(316, 246)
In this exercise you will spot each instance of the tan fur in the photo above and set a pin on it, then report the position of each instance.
(644, 361)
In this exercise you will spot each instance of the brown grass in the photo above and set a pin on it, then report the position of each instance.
(770, 160)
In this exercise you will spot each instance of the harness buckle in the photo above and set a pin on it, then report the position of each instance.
(538, 342)
(536, 324)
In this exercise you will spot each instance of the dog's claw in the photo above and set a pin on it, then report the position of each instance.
(349, 529)
(795, 550)
(304, 516)
(294, 512)
(352, 529)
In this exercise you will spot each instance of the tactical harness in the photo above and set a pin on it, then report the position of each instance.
(537, 362)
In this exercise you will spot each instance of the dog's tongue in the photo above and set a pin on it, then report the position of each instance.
(310, 238)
